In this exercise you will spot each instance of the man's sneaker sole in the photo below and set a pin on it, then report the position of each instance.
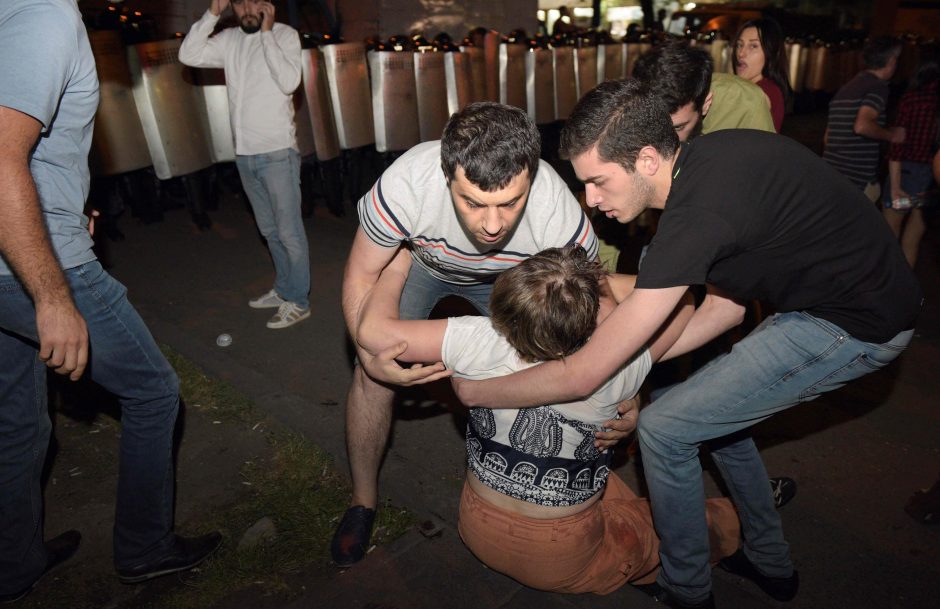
(286, 323)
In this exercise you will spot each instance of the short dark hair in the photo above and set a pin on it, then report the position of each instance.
(493, 143)
(546, 306)
(620, 117)
(677, 72)
(879, 51)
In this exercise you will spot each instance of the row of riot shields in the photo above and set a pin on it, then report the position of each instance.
(396, 98)
(820, 66)
(156, 112)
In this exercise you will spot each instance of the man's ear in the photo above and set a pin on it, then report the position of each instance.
(648, 161)
(707, 104)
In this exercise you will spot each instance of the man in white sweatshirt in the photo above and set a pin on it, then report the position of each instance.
(261, 60)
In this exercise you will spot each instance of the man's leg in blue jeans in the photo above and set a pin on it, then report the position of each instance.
(272, 182)
(125, 361)
(24, 438)
(790, 358)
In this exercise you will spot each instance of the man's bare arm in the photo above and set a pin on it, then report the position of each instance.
(614, 342)
(363, 268)
(24, 244)
(866, 123)
(380, 326)
(717, 314)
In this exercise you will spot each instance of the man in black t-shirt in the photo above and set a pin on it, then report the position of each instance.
(756, 216)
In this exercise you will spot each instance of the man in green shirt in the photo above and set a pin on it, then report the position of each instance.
(699, 101)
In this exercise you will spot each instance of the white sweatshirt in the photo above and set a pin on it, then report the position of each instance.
(262, 70)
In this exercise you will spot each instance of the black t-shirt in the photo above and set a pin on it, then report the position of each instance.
(762, 217)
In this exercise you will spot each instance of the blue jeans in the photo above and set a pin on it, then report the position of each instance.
(272, 182)
(788, 359)
(422, 291)
(124, 360)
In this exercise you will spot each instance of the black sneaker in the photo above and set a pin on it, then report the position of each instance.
(184, 554)
(779, 588)
(784, 489)
(351, 540)
(59, 549)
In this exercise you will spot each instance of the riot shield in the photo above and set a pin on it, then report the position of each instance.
(540, 86)
(118, 144)
(350, 96)
(317, 96)
(431, 89)
(512, 90)
(170, 109)
(394, 107)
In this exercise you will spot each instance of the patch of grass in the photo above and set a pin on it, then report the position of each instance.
(297, 488)
(296, 485)
(212, 396)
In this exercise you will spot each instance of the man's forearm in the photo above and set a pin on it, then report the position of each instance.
(869, 127)
(24, 241)
(711, 319)
(355, 292)
(195, 49)
(614, 342)
(379, 308)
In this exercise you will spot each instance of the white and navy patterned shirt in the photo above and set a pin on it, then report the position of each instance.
(411, 202)
(543, 455)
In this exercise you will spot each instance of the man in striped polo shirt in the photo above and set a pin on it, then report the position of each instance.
(856, 125)
(468, 207)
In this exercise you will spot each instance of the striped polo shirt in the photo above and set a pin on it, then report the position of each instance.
(855, 156)
(411, 203)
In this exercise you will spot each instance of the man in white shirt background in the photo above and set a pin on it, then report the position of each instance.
(262, 66)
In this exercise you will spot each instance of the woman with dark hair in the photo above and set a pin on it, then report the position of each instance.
(910, 173)
(759, 56)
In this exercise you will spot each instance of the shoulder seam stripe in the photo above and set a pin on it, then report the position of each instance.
(378, 203)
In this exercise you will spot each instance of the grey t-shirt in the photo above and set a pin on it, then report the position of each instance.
(48, 72)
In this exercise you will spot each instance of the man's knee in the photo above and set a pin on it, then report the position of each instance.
(656, 427)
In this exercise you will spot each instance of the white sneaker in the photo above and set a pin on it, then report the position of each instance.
(269, 300)
(287, 315)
